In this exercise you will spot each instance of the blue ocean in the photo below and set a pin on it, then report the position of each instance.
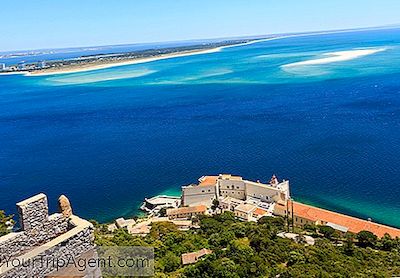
(322, 111)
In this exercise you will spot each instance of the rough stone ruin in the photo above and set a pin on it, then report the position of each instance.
(44, 238)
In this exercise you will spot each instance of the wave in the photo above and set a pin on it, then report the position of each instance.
(338, 56)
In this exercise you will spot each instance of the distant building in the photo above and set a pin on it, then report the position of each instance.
(41, 64)
(258, 213)
(203, 193)
(154, 204)
(143, 228)
(224, 185)
(193, 257)
(186, 212)
(245, 211)
(229, 203)
(2, 67)
(123, 223)
(21, 66)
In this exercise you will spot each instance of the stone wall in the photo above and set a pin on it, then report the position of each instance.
(76, 245)
(41, 234)
(37, 227)
(17, 243)
(33, 213)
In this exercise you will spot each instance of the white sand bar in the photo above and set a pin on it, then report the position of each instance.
(338, 56)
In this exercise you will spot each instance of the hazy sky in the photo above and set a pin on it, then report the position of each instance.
(66, 23)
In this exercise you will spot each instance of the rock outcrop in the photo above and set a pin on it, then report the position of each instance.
(64, 206)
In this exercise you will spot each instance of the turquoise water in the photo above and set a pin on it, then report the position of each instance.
(321, 111)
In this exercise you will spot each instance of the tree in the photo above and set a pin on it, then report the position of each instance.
(366, 239)
(215, 204)
(170, 262)
(327, 231)
(310, 227)
(5, 223)
(295, 257)
(159, 229)
(386, 243)
(349, 245)
(277, 222)
(247, 249)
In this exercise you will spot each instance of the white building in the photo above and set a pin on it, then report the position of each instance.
(21, 66)
(2, 67)
(229, 203)
(224, 185)
(245, 211)
(41, 64)
(155, 204)
(203, 193)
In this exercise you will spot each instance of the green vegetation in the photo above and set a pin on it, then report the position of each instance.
(242, 249)
(3, 220)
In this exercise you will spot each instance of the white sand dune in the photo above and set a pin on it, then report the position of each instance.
(338, 56)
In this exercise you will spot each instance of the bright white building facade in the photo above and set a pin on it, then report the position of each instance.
(234, 193)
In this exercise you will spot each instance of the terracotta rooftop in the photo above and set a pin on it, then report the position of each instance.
(190, 258)
(354, 225)
(208, 180)
(200, 208)
(259, 211)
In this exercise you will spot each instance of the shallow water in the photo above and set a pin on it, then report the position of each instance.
(332, 129)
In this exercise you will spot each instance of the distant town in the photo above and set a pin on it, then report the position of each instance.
(93, 61)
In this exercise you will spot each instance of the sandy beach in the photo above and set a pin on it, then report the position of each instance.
(107, 64)
(98, 65)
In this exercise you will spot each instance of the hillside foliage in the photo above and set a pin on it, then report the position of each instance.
(243, 249)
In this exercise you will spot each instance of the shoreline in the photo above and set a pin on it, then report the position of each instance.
(86, 68)
(105, 65)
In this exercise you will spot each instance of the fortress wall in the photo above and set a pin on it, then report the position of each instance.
(75, 244)
(37, 227)
(43, 236)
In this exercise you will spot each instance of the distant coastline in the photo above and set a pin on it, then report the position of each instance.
(103, 65)
(103, 61)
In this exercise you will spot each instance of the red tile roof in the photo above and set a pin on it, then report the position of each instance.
(190, 258)
(208, 180)
(194, 209)
(259, 211)
(354, 225)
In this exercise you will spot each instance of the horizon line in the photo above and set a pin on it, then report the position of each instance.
(383, 27)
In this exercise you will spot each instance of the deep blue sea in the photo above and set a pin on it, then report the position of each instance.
(322, 111)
